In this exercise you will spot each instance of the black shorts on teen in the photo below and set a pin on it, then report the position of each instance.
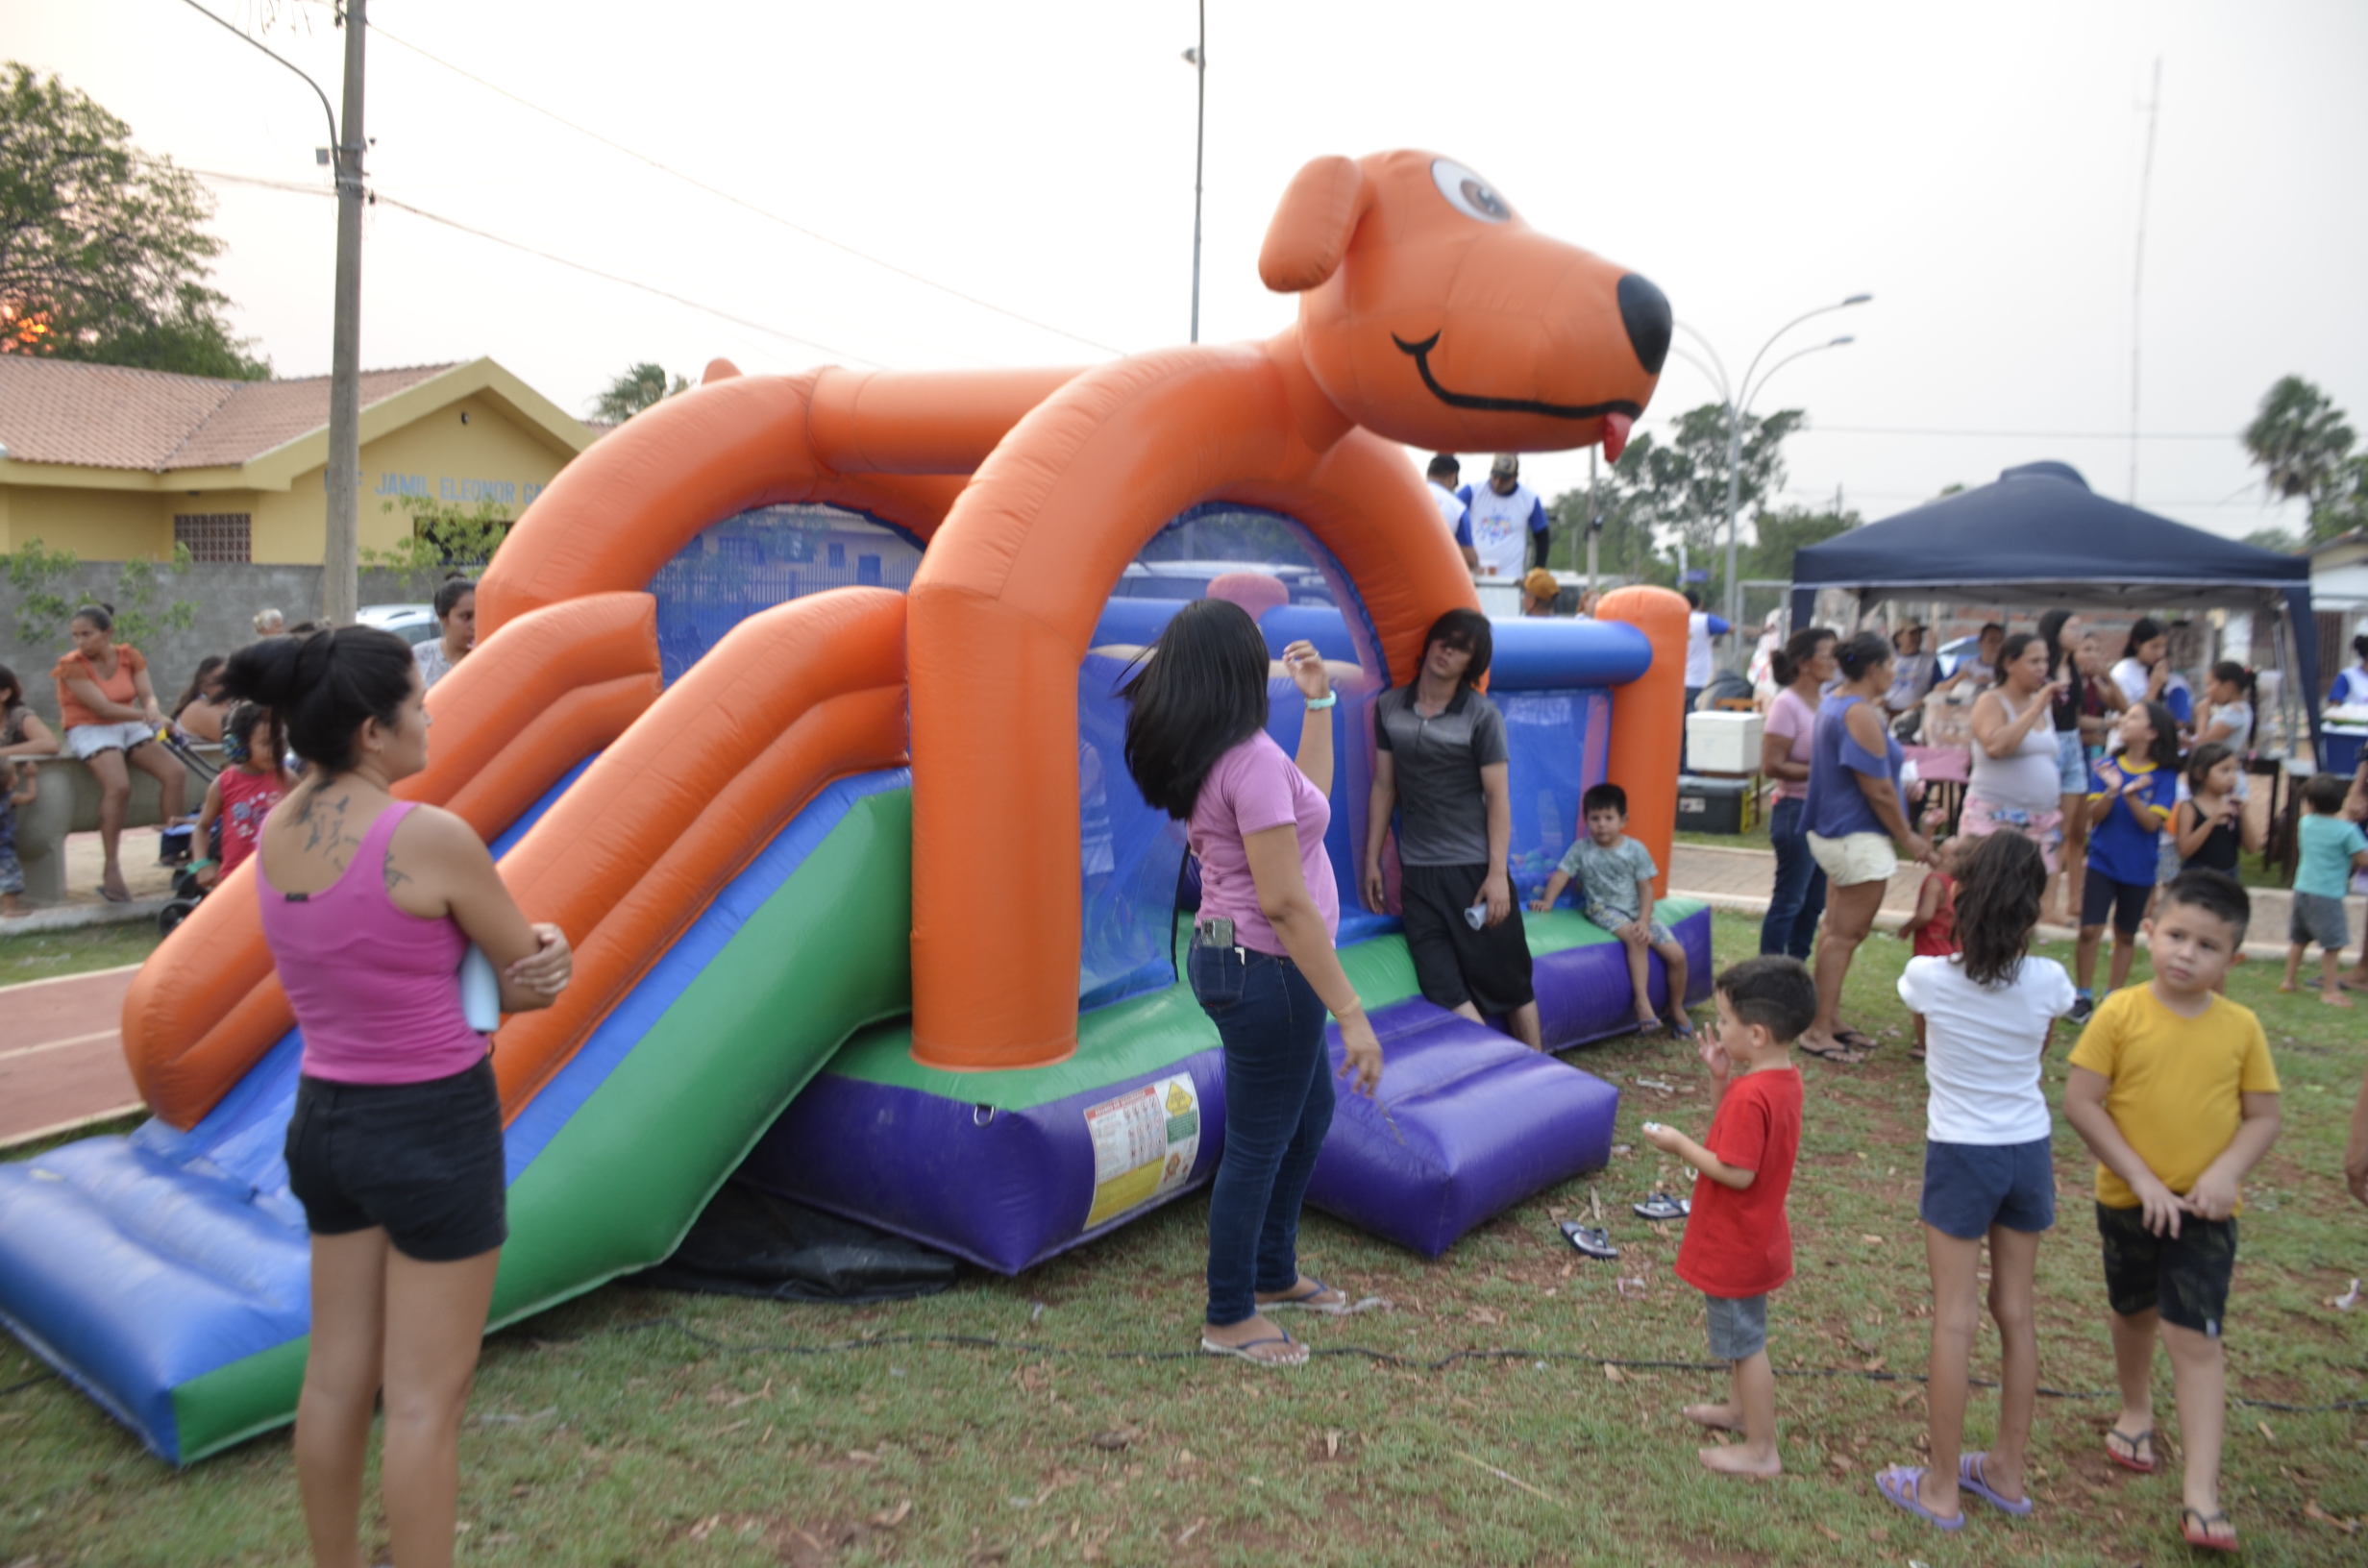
(2185, 1277)
(1453, 963)
(425, 1160)
(2125, 901)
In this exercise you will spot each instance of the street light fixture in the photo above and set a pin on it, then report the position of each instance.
(1197, 58)
(1737, 396)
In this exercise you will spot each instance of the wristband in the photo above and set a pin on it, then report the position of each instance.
(1317, 704)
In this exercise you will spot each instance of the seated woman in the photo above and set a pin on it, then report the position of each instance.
(199, 711)
(112, 720)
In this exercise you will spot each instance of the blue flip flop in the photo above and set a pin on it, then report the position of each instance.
(1901, 1487)
(1969, 1477)
(1242, 1350)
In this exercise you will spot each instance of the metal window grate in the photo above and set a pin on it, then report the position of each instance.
(215, 536)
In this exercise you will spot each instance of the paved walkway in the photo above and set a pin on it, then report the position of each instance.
(61, 1054)
(1738, 879)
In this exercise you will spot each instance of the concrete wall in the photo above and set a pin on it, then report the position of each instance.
(227, 598)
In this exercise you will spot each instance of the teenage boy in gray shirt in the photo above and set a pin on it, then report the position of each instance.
(1440, 765)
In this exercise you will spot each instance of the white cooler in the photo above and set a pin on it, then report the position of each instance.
(1723, 743)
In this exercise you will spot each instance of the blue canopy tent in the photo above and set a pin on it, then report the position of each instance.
(2040, 536)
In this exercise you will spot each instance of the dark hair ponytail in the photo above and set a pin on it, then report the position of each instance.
(1199, 692)
(101, 616)
(1863, 653)
(1798, 649)
(1999, 885)
(449, 593)
(2164, 752)
(2236, 675)
(322, 687)
(2145, 631)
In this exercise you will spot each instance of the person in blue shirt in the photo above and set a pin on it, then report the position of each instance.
(1452, 510)
(2328, 848)
(2130, 798)
(2351, 685)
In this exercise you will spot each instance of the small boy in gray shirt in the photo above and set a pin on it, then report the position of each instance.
(1615, 876)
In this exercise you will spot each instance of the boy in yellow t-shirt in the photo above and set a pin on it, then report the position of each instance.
(2173, 1088)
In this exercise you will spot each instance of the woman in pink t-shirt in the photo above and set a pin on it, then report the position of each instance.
(1262, 961)
(1802, 668)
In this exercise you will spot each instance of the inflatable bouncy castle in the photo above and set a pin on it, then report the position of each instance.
(794, 702)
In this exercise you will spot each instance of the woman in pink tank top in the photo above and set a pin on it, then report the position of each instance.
(395, 1145)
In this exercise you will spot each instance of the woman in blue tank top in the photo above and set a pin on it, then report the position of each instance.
(1857, 828)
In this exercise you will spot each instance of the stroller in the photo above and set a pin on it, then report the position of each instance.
(173, 843)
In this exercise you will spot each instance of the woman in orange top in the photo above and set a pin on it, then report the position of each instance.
(111, 719)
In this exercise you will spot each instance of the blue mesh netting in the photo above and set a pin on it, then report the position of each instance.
(765, 557)
(1555, 745)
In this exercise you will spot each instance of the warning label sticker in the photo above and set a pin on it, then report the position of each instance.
(1145, 1142)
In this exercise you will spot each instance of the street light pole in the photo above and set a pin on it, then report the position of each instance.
(1737, 396)
(340, 584)
(1197, 57)
(340, 564)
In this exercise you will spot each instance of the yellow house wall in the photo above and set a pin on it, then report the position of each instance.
(95, 525)
(435, 458)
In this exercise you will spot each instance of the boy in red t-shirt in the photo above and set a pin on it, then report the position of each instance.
(1738, 1247)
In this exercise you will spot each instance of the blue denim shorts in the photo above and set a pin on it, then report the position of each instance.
(2071, 763)
(1968, 1188)
(1738, 1325)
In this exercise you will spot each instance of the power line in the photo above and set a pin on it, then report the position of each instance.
(379, 199)
(720, 194)
(2020, 436)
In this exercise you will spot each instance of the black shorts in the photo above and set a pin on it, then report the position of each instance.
(425, 1160)
(1454, 963)
(2185, 1277)
(2125, 901)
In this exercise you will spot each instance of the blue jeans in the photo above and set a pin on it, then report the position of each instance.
(1798, 897)
(1278, 1106)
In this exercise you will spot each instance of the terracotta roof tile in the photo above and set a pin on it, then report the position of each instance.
(106, 416)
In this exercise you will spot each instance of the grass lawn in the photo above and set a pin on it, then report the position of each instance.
(42, 955)
(634, 1427)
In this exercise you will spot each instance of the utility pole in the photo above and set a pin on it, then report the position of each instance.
(1197, 57)
(2137, 270)
(340, 562)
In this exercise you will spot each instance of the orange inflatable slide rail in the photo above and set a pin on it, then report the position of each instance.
(511, 721)
(792, 698)
(1644, 741)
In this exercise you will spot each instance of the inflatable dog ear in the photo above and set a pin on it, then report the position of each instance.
(1313, 226)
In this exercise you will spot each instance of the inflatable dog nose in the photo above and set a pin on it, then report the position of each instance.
(1644, 310)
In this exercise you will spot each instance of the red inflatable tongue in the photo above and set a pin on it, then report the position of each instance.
(1616, 428)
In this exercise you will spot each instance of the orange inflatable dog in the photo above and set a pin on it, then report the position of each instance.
(1430, 313)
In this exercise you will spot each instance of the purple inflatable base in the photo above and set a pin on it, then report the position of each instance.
(1475, 1123)
(1002, 1188)
(1468, 1123)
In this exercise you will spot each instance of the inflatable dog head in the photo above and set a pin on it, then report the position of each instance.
(1430, 313)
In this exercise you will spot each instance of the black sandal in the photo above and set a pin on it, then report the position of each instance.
(1593, 1242)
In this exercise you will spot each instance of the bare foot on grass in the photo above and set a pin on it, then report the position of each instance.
(1741, 1459)
(2335, 999)
(1717, 1417)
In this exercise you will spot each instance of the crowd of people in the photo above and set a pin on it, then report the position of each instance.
(2120, 778)
(115, 723)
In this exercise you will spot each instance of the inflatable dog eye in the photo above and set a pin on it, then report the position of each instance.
(1469, 331)
(1467, 193)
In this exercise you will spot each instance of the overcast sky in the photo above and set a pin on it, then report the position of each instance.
(1976, 168)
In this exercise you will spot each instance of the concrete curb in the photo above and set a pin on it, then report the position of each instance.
(79, 917)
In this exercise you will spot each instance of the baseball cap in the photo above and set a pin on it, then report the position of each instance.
(1506, 463)
(1540, 584)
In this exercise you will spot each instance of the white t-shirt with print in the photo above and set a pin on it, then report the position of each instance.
(1500, 528)
(1982, 1046)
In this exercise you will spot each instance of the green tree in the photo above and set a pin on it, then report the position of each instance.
(1784, 532)
(2302, 444)
(35, 572)
(445, 536)
(1665, 492)
(2285, 541)
(643, 386)
(103, 252)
